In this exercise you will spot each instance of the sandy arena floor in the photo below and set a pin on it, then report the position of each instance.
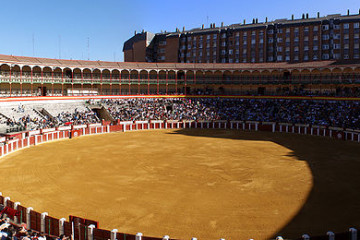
(192, 183)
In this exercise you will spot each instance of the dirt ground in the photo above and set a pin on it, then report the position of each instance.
(208, 184)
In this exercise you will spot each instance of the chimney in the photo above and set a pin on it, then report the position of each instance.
(292, 17)
(135, 32)
(348, 12)
(222, 24)
(303, 16)
(202, 26)
(143, 31)
(266, 19)
(307, 16)
(257, 20)
(183, 29)
(213, 25)
(253, 20)
(318, 14)
(244, 21)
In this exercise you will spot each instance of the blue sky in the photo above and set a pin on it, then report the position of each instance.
(54, 28)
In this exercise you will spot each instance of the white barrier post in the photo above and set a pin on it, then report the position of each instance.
(138, 236)
(16, 205)
(47, 137)
(331, 235)
(352, 136)
(311, 131)
(243, 126)
(61, 226)
(177, 125)
(305, 237)
(131, 127)
(108, 128)
(299, 129)
(91, 232)
(166, 237)
(249, 126)
(273, 127)
(2, 150)
(35, 140)
(256, 126)
(353, 233)
(193, 238)
(208, 125)
(165, 124)
(43, 215)
(6, 199)
(113, 234)
(237, 126)
(95, 130)
(28, 217)
(293, 129)
(330, 133)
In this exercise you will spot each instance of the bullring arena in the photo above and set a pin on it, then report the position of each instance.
(205, 166)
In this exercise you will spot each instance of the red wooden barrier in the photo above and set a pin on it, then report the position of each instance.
(35, 221)
(100, 234)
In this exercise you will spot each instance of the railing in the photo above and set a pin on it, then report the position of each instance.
(41, 222)
(153, 79)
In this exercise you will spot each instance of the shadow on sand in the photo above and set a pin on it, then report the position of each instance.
(334, 201)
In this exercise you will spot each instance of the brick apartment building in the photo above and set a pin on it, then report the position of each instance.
(333, 37)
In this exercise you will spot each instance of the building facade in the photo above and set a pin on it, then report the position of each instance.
(333, 37)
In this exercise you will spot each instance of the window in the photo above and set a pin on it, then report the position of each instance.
(316, 28)
(356, 25)
(296, 30)
(270, 31)
(336, 46)
(306, 39)
(208, 37)
(315, 57)
(287, 30)
(326, 37)
(287, 49)
(356, 35)
(336, 26)
(296, 57)
(306, 57)
(346, 46)
(162, 43)
(253, 42)
(279, 49)
(279, 58)
(270, 59)
(306, 48)
(223, 35)
(346, 56)
(280, 30)
(287, 58)
(306, 29)
(316, 38)
(325, 46)
(231, 52)
(356, 46)
(261, 40)
(244, 51)
(325, 27)
(296, 49)
(346, 26)
(270, 40)
(223, 44)
(279, 40)
(223, 52)
(325, 56)
(214, 53)
(337, 56)
(336, 36)
(287, 40)
(237, 34)
(189, 46)
(346, 36)
(356, 56)
(200, 45)
(215, 36)
(162, 50)
(296, 39)
(315, 47)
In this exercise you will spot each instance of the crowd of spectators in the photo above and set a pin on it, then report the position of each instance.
(344, 114)
(44, 121)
